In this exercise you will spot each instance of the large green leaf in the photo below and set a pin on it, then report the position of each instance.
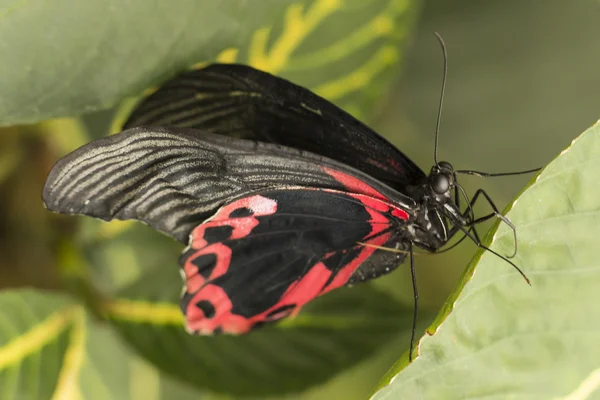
(504, 339)
(50, 349)
(64, 58)
(331, 334)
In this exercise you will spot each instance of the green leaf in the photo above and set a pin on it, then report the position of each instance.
(95, 53)
(330, 334)
(35, 338)
(504, 339)
(50, 349)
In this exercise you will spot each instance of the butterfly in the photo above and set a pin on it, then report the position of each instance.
(279, 195)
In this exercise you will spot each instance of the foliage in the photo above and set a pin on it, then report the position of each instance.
(496, 335)
(121, 321)
(99, 317)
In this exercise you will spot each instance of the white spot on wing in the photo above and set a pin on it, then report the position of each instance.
(261, 205)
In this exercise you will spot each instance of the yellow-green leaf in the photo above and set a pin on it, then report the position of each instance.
(40, 345)
(51, 350)
(102, 52)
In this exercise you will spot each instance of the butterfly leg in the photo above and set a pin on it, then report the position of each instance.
(495, 213)
(416, 305)
(469, 213)
(475, 239)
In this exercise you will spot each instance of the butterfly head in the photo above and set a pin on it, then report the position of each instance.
(442, 179)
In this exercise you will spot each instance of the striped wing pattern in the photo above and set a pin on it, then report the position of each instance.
(240, 101)
(173, 179)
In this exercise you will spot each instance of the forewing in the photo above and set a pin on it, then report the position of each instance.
(173, 179)
(261, 258)
(240, 101)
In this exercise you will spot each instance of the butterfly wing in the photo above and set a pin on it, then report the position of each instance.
(173, 179)
(262, 257)
(240, 101)
(268, 228)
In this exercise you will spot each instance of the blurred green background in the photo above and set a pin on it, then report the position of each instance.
(522, 83)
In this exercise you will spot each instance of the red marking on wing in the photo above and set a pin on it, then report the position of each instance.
(399, 213)
(379, 223)
(241, 226)
(391, 162)
(194, 281)
(357, 186)
(299, 293)
(354, 184)
(381, 206)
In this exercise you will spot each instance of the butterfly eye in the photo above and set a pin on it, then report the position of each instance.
(440, 183)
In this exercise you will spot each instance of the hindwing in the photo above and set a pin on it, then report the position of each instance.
(262, 257)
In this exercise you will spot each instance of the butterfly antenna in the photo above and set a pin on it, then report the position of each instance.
(491, 175)
(439, 116)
